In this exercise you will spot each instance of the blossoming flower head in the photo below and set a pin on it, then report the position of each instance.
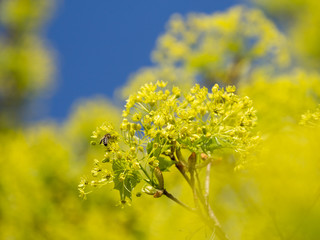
(161, 123)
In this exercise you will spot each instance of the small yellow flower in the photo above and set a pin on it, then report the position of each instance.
(230, 89)
(162, 84)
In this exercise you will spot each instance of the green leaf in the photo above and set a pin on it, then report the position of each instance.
(165, 163)
(149, 147)
(125, 179)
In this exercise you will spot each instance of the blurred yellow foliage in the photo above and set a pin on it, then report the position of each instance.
(25, 68)
(173, 75)
(275, 196)
(26, 65)
(220, 47)
(281, 100)
(38, 197)
(301, 20)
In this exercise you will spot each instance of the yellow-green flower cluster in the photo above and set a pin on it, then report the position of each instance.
(209, 48)
(296, 15)
(311, 118)
(100, 134)
(222, 46)
(160, 123)
(124, 166)
(200, 121)
(272, 97)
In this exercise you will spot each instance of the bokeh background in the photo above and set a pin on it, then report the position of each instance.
(65, 68)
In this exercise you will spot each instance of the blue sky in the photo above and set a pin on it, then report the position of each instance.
(98, 44)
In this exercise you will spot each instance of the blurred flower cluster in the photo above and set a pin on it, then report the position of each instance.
(221, 47)
(26, 64)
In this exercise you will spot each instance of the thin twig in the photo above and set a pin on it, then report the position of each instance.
(207, 183)
(194, 190)
(198, 180)
(173, 198)
(206, 196)
(179, 164)
(191, 166)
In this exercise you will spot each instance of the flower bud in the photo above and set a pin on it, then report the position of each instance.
(137, 127)
(94, 173)
(149, 190)
(136, 117)
(122, 177)
(106, 158)
(136, 166)
(158, 194)
(94, 183)
(119, 155)
(132, 149)
(159, 176)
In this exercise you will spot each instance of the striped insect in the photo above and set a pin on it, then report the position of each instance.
(105, 139)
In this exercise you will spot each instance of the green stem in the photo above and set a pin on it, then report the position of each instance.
(214, 222)
(170, 196)
(147, 175)
(219, 232)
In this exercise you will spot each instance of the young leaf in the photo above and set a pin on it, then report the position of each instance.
(124, 180)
